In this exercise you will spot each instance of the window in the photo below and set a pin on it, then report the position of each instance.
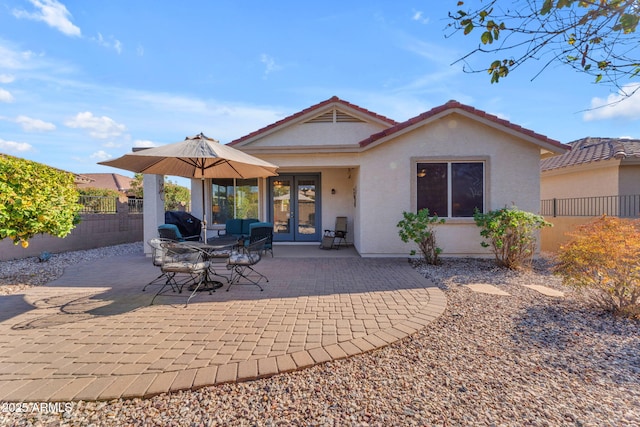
(234, 198)
(450, 189)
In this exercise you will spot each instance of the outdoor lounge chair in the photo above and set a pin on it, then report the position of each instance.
(185, 261)
(241, 265)
(334, 238)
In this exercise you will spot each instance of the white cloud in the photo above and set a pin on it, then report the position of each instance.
(112, 43)
(140, 50)
(99, 127)
(34, 125)
(53, 13)
(269, 63)
(617, 105)
(418, 16)
(100, 156)
(6, 78)
(142, 143)
(5, 96)
(14, 147)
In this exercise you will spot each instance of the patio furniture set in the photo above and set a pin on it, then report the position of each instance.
(188, 262)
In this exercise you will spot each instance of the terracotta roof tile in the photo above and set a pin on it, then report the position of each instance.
(111, 181)
(450, 105)
(318, 106)
(588, 150)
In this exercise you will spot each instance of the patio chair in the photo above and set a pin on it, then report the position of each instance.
(241, 265)
(172, 232)
(186, 261)
(261, 230)
(157, 257)
(337, 236)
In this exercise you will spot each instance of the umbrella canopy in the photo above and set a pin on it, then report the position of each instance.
(195, 157)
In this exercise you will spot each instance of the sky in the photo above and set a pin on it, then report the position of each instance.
(84, 81)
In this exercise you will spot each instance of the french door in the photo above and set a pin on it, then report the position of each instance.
(295, 207)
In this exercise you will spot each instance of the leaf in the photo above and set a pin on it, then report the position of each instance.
(486, 38)
(598, 78)
(546, 7)
(468, 28)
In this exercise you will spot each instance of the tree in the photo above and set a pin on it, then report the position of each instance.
(175, 196)
(596, 37)
(34, 199)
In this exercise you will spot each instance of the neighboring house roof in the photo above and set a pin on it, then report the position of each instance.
(588, 150)
(109, 181)
(454, 106)
(309, 112)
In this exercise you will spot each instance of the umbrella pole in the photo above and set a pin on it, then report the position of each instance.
(204, 214)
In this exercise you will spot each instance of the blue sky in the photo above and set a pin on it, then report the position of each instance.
(86, 80)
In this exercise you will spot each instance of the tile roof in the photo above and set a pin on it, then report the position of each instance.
(111, 181)
(308, 110)
(588, 150)
(453, 105)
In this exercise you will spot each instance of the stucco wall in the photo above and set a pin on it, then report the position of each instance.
(387, 177)
(320, 134)
(630, 179)
(551, 238)
(94, 231)
(595, 179)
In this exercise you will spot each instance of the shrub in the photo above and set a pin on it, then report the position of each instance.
(604, 256)
(511, 234)
(419, 228)
(35, 198)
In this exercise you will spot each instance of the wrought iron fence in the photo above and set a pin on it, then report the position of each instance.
(627, 206)
(107, 205)
(135, 206)
(98, 204)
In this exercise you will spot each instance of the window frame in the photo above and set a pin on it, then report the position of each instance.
(449, 161)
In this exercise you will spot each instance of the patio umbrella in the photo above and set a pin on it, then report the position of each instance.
(195, 157)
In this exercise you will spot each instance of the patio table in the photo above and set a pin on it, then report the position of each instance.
(216, 251)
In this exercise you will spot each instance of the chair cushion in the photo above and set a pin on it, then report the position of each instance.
(237, 258)
(185, 267)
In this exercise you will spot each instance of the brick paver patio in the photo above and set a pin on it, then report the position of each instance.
(92, 335)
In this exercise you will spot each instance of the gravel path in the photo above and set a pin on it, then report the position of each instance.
(522, 359)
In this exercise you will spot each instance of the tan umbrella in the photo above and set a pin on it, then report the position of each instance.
(195, 157)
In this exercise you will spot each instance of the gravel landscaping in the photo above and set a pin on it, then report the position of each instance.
(518, 359)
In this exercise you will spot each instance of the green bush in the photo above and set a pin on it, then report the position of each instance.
(420, 228)
(511, 235)
(34, 199)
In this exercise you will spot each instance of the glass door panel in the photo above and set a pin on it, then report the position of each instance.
(294, 205)
(306, 208)
(281, 207)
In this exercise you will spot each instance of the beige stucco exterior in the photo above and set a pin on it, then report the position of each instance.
(375, 182)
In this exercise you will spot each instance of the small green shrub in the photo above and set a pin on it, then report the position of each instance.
(511, 235)
(604, 256)
(420, 228)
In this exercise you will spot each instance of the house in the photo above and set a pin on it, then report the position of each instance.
(593, 167)
(109, 181)
(597, 176)
(338, 159)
